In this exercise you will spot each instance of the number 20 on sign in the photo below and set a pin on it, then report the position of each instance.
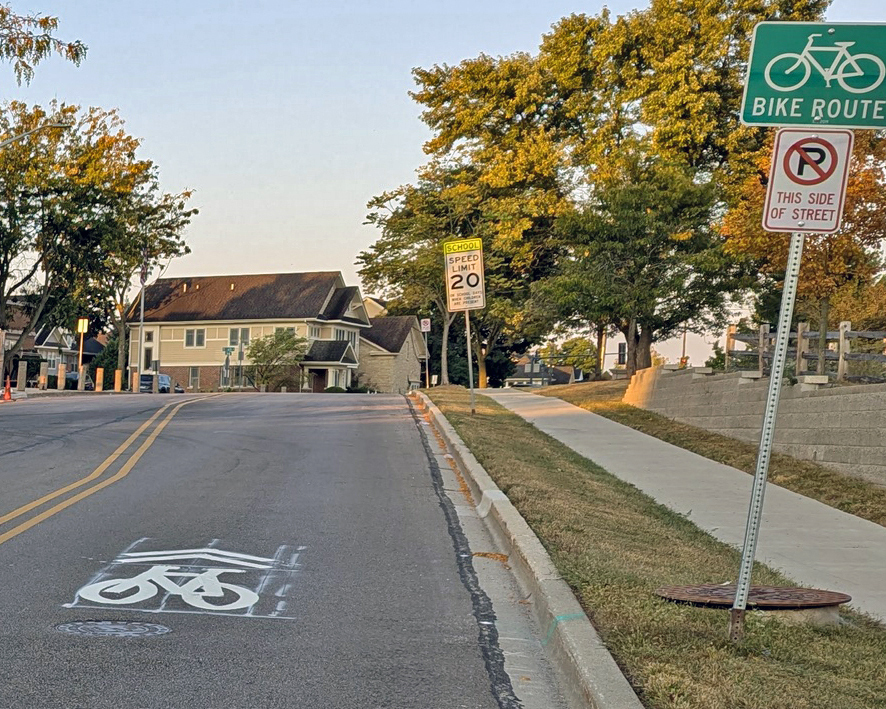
(465, 289)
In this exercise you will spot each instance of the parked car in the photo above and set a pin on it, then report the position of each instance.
(164, 384)
(71, 379)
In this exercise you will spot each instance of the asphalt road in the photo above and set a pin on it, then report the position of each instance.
(247, 551)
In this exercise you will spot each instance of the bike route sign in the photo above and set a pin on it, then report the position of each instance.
(816, 74)
(807, 180)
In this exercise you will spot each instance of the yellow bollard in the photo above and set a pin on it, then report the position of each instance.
(99, 378)
(118, 380)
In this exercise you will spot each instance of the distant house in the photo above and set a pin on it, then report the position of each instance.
(375, 307)
(56, 346)
(533, 372)
(391, 354)
(196, 328)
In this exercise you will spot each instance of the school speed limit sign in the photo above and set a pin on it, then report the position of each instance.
(465, 289)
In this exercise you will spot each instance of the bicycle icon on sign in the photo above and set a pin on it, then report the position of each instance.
(196, 592)
(779, 72)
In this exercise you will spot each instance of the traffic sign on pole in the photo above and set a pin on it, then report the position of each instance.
(465, 289)
(816, 73)
(807, 180)
(425, 324)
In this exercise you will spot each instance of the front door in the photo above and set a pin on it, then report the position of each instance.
(318, 380)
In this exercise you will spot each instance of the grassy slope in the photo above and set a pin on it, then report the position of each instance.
(852, 495)
(615, 546)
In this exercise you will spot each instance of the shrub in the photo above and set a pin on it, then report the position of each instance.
(334, 390)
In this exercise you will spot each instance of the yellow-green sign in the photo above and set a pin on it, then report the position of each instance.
(816, 74)
(457, 247)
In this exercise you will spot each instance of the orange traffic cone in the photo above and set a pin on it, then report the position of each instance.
(7, 392)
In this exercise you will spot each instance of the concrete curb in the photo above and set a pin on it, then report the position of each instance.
(591, 677)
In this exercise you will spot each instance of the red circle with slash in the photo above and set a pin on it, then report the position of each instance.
(799, 149)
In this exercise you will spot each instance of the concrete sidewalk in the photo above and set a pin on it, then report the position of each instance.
(812, 543)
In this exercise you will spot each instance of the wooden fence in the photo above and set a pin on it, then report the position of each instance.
(803, 356)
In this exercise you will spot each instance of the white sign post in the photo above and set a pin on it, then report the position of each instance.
(465, 287)
(426, 328)
(807, 181)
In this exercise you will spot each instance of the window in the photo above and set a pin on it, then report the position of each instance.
(352, 338)
(194, 377)
(314, 331)
(149, 356)
(149, 335)
(238, 335)
(340, 334)
(195, 338)
(622, 353)
(290, 330)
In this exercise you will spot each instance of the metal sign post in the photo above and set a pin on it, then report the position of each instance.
(470, 360)
(82, 326)
(755, 513)
(465, 288)
(426, 328)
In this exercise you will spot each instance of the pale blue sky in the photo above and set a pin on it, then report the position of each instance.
(284, 117)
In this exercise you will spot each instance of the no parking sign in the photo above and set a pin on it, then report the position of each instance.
(807, 180)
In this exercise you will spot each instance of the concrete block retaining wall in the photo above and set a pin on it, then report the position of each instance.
(842, 427)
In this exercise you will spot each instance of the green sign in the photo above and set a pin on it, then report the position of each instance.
(228, 350)
(816, 74)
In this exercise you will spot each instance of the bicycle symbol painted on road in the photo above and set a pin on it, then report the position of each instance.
(204, 590)
(791, 71)
(200, 580)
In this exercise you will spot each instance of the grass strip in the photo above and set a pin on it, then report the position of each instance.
(615, 546)
(846, 493)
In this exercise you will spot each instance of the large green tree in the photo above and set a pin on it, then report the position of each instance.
(406, 262)
(648, 250)
(275, 357)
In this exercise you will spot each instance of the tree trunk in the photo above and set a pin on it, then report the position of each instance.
(444, 349)
(601, 353)
(630, 333)
(480, 355)
(825, 305)
(644, 349)
(122, 347)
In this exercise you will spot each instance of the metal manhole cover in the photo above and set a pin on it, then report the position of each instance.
(112, 628)
(762, 597)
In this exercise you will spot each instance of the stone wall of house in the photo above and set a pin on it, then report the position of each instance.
(841, 427)
(388, 373)
(407, 368)
(376, 368)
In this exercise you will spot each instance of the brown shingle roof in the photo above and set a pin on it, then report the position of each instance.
(253, 297)
(338, 304)
(329, 351)
(390, 332)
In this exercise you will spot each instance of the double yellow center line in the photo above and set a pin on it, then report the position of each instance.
(94, 475)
